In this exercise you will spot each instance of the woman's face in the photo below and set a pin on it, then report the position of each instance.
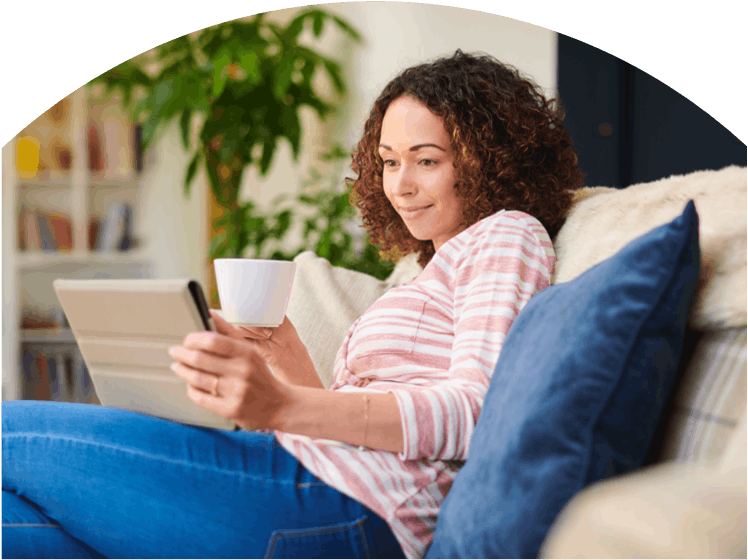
(418, 176)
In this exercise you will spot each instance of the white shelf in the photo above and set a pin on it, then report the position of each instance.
(42, 259)
(94, 182)
(77, 193)
(45, 184)
(48, 336)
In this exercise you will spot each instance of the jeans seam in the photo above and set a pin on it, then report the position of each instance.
(310, 484)
(122, 449)
(51, 525)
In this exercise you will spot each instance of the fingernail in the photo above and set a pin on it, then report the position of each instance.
(267, 332)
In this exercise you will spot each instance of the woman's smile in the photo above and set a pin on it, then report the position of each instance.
(413, 212)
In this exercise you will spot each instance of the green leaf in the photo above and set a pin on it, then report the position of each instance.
(162, 93)
(191, 170)
(333, 70)
(309, 227)
(283, 222)
(335, 152)
(249, 61)
(220, 72)
(347, 28)
(184, 125)
(268, 150)
(218, 246)
(148, 129)
(292, 130)
(295, 27)
(283, 73)
(318, 22)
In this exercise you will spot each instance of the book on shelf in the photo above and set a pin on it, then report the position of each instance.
(55, 387)
(40, 230)
(62, 377)
(36, 376)
(116, 232)
(138, 140)
(94, 226)
(31, 238)
(45, 232)
(22, 228)
(62, 231)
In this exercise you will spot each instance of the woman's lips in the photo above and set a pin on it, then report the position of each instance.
(413, 211)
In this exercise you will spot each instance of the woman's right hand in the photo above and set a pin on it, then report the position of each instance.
(280, 347)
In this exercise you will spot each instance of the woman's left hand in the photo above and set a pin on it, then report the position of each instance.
(227, 376)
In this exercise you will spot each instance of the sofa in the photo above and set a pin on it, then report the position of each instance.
(688, 498)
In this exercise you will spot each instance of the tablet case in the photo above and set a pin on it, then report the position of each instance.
(124, 329)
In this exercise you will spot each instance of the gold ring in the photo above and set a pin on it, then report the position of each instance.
(214, 391)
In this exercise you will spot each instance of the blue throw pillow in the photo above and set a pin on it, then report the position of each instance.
(576, 395)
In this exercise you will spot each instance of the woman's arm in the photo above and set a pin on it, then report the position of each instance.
(365, 419)
(248, 393)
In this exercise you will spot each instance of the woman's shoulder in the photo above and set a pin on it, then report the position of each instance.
(504, 222)
(497, 236)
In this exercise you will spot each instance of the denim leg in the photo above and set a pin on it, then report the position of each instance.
(131, 485)
(28, 533)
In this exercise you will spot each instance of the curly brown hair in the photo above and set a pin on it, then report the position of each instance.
(511, 150)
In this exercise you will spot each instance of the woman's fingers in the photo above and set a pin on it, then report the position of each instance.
(215, 343)
(261, 333)
(206, 382)
(215, 353)
(223, 326)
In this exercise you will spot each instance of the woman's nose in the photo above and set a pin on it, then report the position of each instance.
(404, 183)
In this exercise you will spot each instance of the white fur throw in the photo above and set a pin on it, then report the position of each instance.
(603, 220)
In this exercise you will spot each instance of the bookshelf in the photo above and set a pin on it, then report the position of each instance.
(70, 213)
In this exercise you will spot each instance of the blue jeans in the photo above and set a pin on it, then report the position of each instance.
(84, 481)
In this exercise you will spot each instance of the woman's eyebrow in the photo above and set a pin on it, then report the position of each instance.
(416, 147)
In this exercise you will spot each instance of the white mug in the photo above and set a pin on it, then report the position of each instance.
(254, 292)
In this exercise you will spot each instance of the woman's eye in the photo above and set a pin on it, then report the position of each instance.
(390, 163)
(428, 162)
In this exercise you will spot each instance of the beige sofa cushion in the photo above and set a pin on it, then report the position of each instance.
(674, 510)
(709, 398)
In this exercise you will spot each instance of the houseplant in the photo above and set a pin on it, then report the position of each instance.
(246, 81)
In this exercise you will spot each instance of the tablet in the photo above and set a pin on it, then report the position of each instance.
(124, 329)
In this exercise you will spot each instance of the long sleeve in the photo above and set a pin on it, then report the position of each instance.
(487, 278)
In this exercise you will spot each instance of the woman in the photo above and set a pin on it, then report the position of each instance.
(462, 160)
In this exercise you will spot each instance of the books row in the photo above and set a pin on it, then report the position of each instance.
(44, 231)
(59, 375)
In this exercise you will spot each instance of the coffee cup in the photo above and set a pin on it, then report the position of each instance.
(254, 292)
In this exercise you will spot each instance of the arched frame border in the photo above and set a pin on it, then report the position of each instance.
(51, 49)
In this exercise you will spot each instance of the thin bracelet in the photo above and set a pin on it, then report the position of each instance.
(366, 421)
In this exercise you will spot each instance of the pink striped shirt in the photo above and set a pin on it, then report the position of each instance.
(433, 344)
